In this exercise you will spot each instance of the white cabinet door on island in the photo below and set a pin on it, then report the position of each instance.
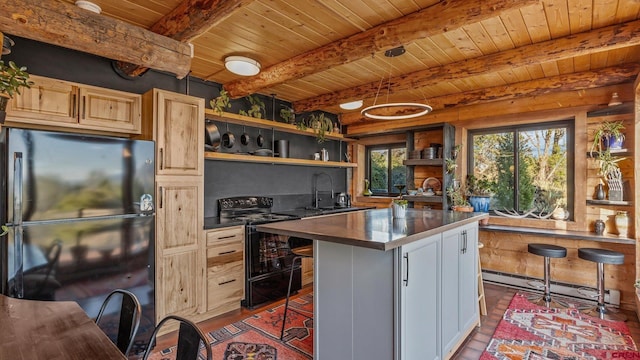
(420, 287)
(459, 285)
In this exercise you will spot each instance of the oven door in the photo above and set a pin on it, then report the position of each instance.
(268, 268)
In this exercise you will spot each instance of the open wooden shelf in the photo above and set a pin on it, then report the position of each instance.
(275, 160)
(609, 202)
(617, 152)
(267, 124)
(423, 198)
(428, 162)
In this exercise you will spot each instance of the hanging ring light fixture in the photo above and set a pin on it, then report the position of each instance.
(414, 109)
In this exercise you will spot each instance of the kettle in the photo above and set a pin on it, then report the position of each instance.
(342, 200)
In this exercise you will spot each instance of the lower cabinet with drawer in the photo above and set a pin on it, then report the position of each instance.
(225, 269)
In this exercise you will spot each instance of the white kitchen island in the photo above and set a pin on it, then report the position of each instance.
(388, 288)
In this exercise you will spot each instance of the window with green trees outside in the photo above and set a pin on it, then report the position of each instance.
(528, 167)
(385, 168)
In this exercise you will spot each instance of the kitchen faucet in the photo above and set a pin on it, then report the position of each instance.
(316, 199)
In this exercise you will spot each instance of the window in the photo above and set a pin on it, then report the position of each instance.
(385, 168)
(529, 167)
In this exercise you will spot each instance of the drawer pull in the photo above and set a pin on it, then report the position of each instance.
(227, 282)
(227, 252)
(226, 237)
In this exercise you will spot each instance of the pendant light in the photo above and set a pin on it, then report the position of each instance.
(416, 109)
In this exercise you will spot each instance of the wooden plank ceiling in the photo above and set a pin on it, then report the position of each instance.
(319, 53)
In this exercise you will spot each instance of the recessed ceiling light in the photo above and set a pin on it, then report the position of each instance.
(88, 5)
(352, 105)
(241, 65)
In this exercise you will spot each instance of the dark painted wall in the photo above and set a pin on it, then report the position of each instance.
(290, 184)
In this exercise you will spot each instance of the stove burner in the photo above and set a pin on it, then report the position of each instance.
(250, 210)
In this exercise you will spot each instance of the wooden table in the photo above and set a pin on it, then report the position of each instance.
(50, 330)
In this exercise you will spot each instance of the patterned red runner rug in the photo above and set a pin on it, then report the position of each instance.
(257, 337)
(531, 332)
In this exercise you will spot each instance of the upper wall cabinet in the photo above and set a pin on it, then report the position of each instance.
(60, 103)
(179, 129)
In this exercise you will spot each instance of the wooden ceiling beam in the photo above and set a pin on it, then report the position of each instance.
(187, 21)
(604, 39)
(437, 19)
(556, 84)
(63, 24)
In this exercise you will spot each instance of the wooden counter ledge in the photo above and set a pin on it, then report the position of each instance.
(374, 229)
(564, 234)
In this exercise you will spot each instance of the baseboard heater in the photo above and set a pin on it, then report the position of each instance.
(611, 296)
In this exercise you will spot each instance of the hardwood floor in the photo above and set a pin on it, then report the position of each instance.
(497, 297)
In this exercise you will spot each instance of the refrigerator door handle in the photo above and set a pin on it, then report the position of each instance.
(17, 225)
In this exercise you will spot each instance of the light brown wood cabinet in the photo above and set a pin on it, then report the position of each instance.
(225, 269)
(65, 104)
(180, 134)
(173, 121)
(307, 271)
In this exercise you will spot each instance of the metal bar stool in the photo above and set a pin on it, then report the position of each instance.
(300, 252)
(548, 251)
(602, 256)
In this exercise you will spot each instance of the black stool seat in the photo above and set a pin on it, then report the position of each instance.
(548, 250)
(601, 256)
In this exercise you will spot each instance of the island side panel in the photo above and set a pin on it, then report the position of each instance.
(353, 302)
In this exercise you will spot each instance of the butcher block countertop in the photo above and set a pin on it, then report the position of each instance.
(375, 229)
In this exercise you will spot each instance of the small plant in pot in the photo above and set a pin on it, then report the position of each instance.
(319, 123)
(479, 192)
(608, 136)
(12, 78)
(458, 200)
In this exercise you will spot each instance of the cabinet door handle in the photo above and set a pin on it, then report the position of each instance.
(464, 233)
(406, 278)
(84, 106)
(227, 252)
(73, 106)
(161, 159)
(160, 192)
(227, 282)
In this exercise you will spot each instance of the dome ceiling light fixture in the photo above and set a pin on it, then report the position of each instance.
(88, 5)
(241, 65)
(352, 105)
(409, 110)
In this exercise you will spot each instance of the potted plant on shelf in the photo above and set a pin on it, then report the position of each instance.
(319, 123)
(12, 78)
(479, 192)
(608, 136)
(256, 107)
(458, 200)
(288, 115)
(220, 103)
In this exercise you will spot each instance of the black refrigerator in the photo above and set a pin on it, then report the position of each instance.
(79, 210)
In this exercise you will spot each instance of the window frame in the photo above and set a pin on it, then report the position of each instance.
(568, 123)
(389, 147)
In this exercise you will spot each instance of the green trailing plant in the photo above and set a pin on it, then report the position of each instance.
(220, 103)
(319, 123)
(608, 163)
(451, 165)
(401, 202)
(456, 151)
(4, 231)
(287, 114)
(457, 196)
(12, 78)
(257, 107)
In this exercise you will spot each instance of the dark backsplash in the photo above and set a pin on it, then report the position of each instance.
(290, 186)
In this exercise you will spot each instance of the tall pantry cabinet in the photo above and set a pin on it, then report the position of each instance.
(176, 123)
